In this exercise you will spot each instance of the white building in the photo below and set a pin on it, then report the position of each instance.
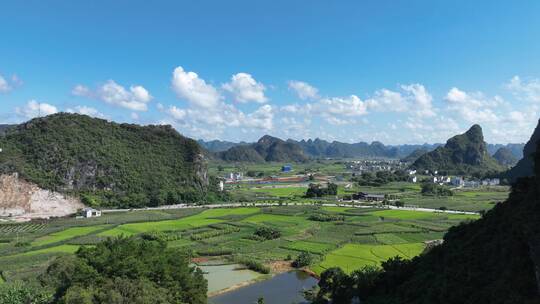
(90, 212)
(221, 185)
(412, 172)
(414, 179)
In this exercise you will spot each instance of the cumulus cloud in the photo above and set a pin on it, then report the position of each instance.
(413, 98)
(303, 90)
(245, 89)
(195, 90)
(348, 106)
(86, 111)
(473, 107)
(528, 90)
(34, 108)
(136, 98)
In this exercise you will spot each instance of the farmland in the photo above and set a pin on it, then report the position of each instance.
(364, 236)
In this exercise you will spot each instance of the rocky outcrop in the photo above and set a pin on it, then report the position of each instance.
(20, 199)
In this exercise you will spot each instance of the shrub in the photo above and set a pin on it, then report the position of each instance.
(267, 233)
(303, 259)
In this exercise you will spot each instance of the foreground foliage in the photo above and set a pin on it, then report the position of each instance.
(126, 270)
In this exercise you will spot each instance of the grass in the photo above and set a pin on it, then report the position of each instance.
(355, 256)
(56, 249)
(204, 218)
(66, 234)
(312, 247)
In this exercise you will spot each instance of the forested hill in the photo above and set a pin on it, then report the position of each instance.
(267, 148)
(462, 154)
(106, 163)
(494, 260)
(525, 166)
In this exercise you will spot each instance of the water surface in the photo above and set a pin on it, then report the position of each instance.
(283, 288)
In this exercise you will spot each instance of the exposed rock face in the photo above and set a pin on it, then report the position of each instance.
(21, 199)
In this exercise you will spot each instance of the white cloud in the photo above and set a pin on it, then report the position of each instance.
(195, 90)
(4, 85)
(421, 99)
(413, 98)
(81, 90)
(34, 109)
(245, 89)
(304, 90)
(473, 107)
(135, 99)
(134, 116)
(527, 90)
(348, 106)
(86, 111)
(176, 113)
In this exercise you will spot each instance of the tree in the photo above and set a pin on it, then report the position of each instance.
(303, 259)
(23, 293)
(126, 270)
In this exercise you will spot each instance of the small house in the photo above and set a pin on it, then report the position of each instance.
(368, 197)
(90, 212)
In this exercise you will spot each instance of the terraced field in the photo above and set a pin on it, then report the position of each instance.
(361, 236)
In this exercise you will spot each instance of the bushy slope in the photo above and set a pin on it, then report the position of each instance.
(268, 148)
(109, 163)
(492, 260)
(462, 154)
(524, 167)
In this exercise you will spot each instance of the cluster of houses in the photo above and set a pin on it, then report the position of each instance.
(456, 181)
(372, 165)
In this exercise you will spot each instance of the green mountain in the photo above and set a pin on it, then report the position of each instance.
(505, 157)
(106, 163)
(524, 167)
(462, 154)
(267, 148)
(415, 155)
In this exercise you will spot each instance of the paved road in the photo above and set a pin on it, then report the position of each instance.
(236, 205)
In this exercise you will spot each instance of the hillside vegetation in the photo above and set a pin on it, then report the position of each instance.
(106, 163)
(462, 154)
(525, 166)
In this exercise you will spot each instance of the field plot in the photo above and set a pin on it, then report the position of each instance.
(66, 234)
(204, 218)
(312, 247)
(355, 256)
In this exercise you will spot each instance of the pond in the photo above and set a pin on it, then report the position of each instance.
(225, 276)
(283, 288)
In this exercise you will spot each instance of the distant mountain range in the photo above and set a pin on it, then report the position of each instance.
(319, 148)
(268, 149)
(462, 154)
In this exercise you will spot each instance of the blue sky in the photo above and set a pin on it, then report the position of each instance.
(393, 71)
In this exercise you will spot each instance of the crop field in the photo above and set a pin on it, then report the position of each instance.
(66, 234)
(358, 236)
(355, 256)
